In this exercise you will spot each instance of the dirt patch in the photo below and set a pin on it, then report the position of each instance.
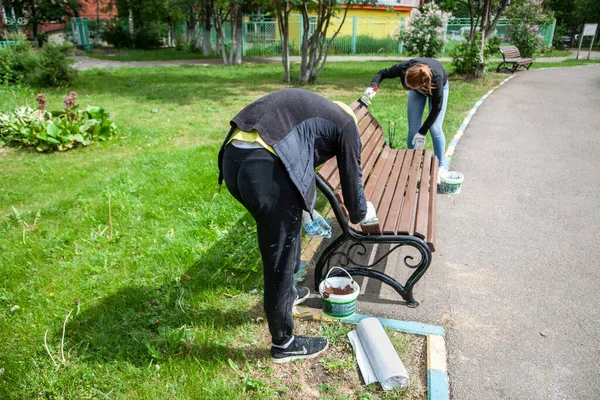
(335, 374)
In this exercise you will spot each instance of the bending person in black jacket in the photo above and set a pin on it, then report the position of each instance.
(268, 163)
(426, 79)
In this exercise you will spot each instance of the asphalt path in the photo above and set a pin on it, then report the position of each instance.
(83, 62)
(516, 276)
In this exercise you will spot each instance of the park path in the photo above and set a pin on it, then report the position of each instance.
(83, 62)
(516, 275)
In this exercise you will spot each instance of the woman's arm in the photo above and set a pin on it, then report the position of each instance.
(437, 99)
(387, 73)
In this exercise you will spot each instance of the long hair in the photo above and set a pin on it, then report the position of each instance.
(418, 77)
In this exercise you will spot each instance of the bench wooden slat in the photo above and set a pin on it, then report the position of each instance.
(327, 169)
(376, 195)
(364, 123)
(394, 193)
(360, 112)
(422, 217)
(432, 205)
(406, 217)
(379, 173)
(367, 164)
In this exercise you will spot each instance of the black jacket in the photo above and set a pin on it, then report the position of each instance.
(437, 94)
(305, 130)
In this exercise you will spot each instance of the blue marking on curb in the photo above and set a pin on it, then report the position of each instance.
(437, 385)
(403, 326)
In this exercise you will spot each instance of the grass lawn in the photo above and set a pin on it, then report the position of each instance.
(136, 281)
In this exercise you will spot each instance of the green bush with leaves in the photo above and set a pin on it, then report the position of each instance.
(55, 68)
(38, 129)
(115, 34)
(466, 56)
(18, 61)
(527, 18)
(424, 34)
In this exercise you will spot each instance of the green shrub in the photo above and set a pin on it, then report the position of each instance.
(55, 69)
(149, 36)
(466, 56)
(115, 34)
(41, 130)
(425, 32)
(18, 61)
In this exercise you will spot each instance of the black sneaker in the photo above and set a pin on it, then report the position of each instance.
(301, 348)
(302, 294)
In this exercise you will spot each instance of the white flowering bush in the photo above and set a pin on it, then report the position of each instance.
(526, 20)
(425, 32)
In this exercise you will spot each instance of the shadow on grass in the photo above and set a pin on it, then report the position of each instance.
(139, 324)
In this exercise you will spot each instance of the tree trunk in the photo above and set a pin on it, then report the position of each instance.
(239, 39)
(283, 23)
(208, 15)
(304, 48)
(480, 68)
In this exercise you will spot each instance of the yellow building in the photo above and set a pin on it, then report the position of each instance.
(362, 24)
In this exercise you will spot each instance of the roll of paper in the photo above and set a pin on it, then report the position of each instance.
(376, 356)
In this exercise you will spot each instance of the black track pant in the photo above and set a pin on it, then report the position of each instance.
(259, 180)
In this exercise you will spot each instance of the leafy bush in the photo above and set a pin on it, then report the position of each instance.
(18, 61)
(55, 67)
(39, 129)
(425, 33)
(466, 57)
(115, 34)
(526, 19)
(149, 36)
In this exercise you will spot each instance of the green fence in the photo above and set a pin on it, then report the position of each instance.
(458, 27)
(359, 34)
(81, 33)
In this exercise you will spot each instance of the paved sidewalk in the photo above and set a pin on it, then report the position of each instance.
(83, 62)
(516, 275)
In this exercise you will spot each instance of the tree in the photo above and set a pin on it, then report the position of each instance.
(39, 12)
(317, 17)
(283, 10)
(526, 18)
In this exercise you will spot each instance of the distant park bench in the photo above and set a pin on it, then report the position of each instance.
(512, 59)
(402, 185)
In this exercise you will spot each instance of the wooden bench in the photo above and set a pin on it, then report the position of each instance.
(511, 56)
(402, 185)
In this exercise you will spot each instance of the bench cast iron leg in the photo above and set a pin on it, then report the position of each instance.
(345, 259)
(325, 257)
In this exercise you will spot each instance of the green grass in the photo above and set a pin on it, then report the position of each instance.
(157, 289)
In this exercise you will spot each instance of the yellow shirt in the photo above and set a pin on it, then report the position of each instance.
(251, 137)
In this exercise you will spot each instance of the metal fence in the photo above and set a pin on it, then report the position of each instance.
(359, 34)
(458, 27)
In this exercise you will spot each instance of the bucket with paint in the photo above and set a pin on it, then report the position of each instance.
(335, 302)
(451, 182)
